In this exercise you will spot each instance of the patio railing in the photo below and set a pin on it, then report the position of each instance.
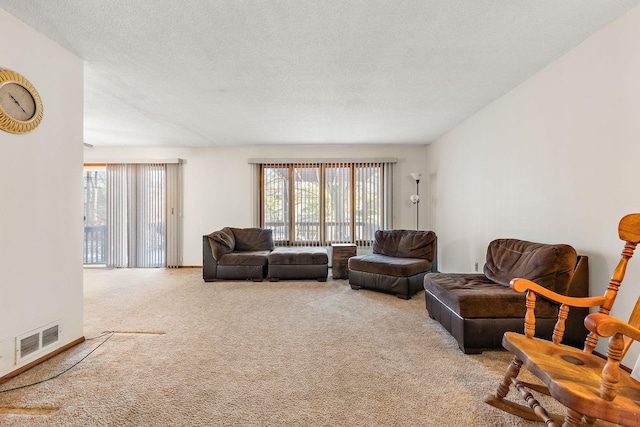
(94, 245)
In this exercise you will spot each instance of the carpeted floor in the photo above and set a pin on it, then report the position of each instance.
(290, 353)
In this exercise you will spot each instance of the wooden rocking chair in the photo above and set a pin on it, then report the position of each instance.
(573, 376)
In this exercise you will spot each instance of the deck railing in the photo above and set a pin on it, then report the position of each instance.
(309, 233)
(94, 245)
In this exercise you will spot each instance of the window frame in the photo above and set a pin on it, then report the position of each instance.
(290, 239)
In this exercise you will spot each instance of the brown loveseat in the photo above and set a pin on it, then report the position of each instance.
(398, 264)
(477, 309)
(250, 253)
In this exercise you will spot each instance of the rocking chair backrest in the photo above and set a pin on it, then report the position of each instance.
(634, 320)
(629, 231)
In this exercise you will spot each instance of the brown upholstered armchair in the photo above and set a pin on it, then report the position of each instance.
(399, 262)
(477, 309)
(236, 253)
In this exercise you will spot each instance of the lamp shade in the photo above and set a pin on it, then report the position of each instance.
(416, 176)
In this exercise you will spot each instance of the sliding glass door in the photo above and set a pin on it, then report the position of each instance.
(136, 215)
(132, 215)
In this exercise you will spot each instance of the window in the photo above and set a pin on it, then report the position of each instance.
(324, 203)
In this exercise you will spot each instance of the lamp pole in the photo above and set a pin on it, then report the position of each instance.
(415, 199)
(417, 203)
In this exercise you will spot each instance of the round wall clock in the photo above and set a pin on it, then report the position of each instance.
(20, 104)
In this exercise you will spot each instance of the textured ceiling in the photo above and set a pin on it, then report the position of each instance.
(249, 72)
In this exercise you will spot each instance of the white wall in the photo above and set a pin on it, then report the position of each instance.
(555, 160)
(218, 182)
(41, 193)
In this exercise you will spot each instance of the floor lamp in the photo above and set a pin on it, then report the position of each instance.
(415, 198)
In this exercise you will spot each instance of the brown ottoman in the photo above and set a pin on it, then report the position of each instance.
(298, 263)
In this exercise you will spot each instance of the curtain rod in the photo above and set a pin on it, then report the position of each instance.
(131, 161)
(324, 160)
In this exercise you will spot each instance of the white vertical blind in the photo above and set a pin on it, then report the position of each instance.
(387, 201)
(306, 202)
(140, 222)
(117, 247)
(338, 206)
(150, 216)
(174, 215)
(274, 205)
(370, 194)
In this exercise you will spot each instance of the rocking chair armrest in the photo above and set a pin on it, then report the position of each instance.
(606, 326)
(523, 285)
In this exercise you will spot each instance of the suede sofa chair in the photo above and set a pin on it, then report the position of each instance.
(477, 309)
(398, 264)
(236, 253)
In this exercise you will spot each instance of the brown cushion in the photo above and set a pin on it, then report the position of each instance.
(222, 242)
(548, 265)
(253, 239)
(298, 256)
(475, 296)
(405, 243)
(244, 258)
(388, 265)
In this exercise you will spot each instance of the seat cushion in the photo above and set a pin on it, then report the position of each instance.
(244, 258)
(476, 296)
(390, 266)
(298, 256)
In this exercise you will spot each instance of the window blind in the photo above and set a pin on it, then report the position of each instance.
(322, 203)
(143, 215)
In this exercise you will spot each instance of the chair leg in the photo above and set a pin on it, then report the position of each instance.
(512, 372)
(535, 406)
(573, 419)
(498, 400)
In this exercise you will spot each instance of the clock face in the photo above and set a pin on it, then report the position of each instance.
(17, 102)
(20, 104)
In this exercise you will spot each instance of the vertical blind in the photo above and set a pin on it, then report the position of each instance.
(174, 215)
(143, 228)
(323, 203)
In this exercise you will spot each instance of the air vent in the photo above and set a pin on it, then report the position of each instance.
(29, 345)
(50, 335)
(33, 343)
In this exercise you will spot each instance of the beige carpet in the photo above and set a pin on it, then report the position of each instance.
(290, 353)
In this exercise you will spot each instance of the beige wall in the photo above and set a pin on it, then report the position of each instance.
(554, 160)
(41, 193)
(218, 182)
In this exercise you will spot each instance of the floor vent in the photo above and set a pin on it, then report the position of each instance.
(33, 343)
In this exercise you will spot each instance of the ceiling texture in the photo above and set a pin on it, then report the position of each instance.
(209, 73)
